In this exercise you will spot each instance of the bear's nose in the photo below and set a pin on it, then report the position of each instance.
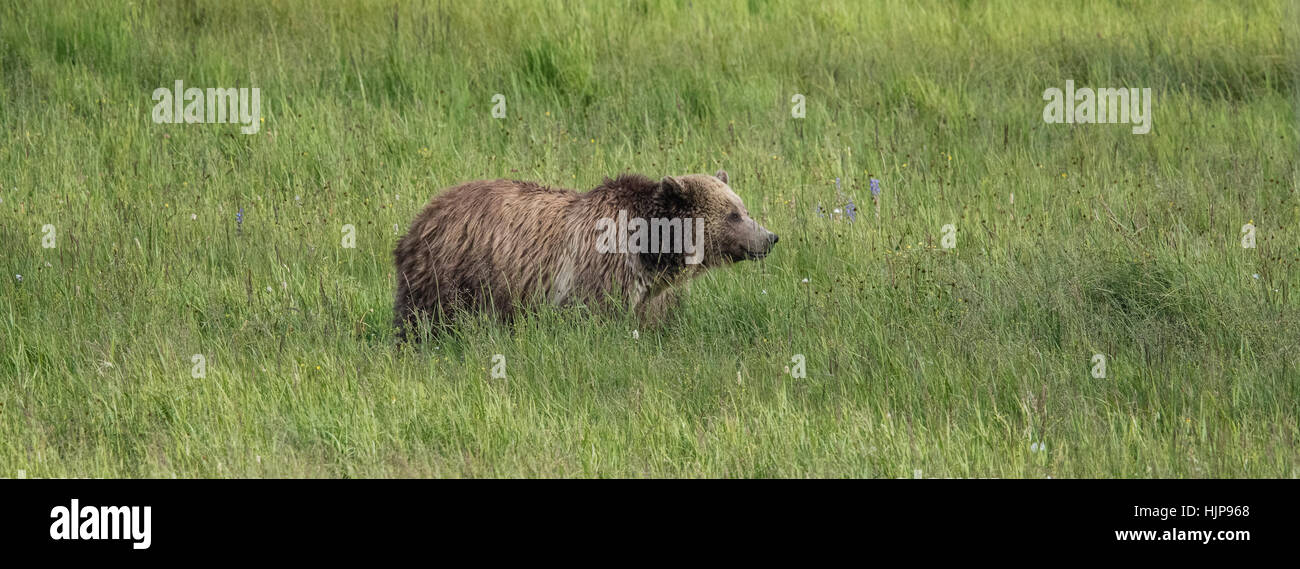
(773, 238)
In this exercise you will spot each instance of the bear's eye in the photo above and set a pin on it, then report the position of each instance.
(733, 217)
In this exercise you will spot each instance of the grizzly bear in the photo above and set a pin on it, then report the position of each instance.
(502, 245)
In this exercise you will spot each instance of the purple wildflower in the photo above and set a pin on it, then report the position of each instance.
(852, 210)
(875, 188)
(820, 211)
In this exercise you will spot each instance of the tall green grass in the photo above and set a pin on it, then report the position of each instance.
(947, 362)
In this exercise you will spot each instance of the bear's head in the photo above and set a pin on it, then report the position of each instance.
(729, 233)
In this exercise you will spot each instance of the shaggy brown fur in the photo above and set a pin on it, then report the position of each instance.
(500, 245)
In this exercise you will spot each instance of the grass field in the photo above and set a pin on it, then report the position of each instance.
(975, 361)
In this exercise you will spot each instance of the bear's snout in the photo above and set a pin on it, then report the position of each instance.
(772, 238)
(766, 241)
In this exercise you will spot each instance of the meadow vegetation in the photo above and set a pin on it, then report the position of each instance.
(976, 361)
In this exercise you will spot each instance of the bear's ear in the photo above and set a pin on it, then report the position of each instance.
(722, 175)
(671, 194)
(671, 187)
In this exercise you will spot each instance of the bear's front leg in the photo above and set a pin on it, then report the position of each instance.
(658, 310)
